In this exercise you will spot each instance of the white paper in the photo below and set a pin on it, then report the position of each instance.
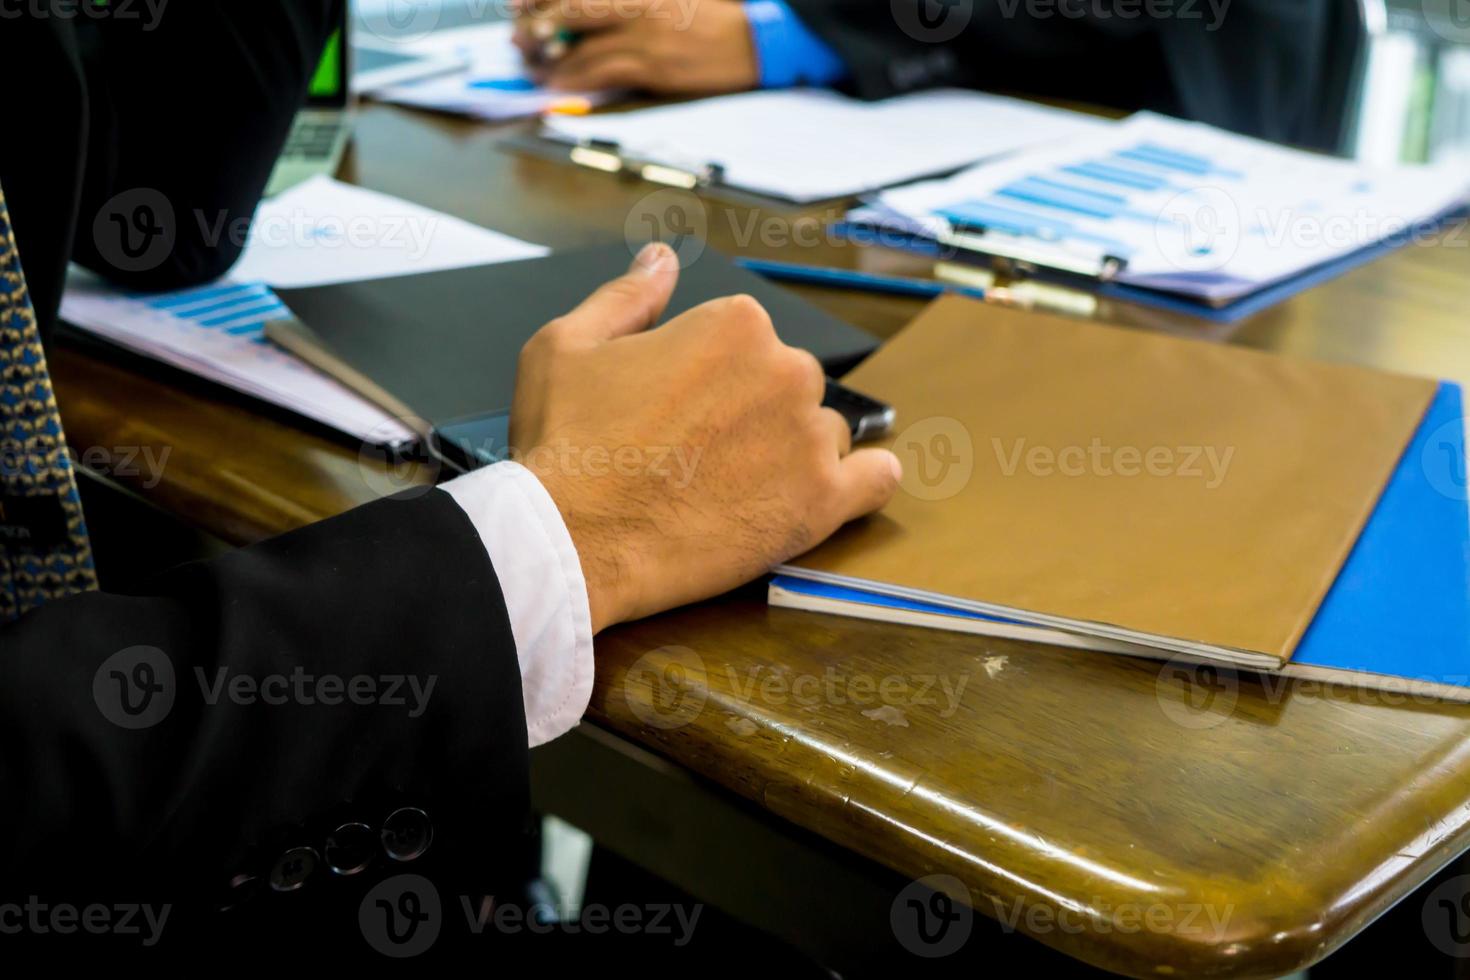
(808, 145)
(317, 234)
(495, 86)
(323, 231)
(1195, 210)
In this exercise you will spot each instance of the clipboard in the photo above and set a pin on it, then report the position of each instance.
(605, 156)
(1048, 261)
(807, 146)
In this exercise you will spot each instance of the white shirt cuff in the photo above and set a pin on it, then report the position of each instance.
(545, 594)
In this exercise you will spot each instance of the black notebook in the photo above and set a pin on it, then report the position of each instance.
(445, 344)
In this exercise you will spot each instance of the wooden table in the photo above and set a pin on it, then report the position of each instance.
(1067, 790)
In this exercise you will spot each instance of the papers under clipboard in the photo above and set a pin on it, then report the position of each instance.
(806, 145)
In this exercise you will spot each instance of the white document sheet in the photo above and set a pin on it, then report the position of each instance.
(316, 234)
(324, 232)
(495, 86)
(808, 145)
(1193, 209)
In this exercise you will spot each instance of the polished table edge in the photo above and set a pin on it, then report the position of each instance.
(1019, 877)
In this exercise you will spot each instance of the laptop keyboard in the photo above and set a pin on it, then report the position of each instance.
(311, 141)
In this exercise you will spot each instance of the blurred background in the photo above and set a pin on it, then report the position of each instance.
(1412, 106)
(1414, 102)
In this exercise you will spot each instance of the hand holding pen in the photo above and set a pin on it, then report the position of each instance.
(648, 45)
(541, 37)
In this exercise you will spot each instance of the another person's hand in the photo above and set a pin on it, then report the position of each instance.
(689, 459)
(654, 45)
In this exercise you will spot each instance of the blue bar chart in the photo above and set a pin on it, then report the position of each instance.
(238, 309)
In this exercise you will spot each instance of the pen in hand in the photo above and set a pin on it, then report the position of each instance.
(551, 42)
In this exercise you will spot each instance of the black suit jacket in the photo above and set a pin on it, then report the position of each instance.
(192, 106)
(1277, 69)
(347, 694)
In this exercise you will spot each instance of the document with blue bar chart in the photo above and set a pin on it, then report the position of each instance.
(494, 86)
(217, 333)
(1184, 208)
(318, 233)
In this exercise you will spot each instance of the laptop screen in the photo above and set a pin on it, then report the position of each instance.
(328, 89)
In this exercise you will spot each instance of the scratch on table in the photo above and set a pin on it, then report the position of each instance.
(887, 714)
(743, 727)
(994, 665)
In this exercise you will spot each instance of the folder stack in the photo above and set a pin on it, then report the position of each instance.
(1138, 494)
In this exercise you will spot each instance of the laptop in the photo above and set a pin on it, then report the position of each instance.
(319, 136)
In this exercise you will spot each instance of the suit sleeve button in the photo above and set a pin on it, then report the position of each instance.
(241, 889)
(350, 848)
(407, 834)
(292, 869)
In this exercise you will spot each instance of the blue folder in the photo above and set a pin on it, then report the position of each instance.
(1231, 312)
(1400, 607)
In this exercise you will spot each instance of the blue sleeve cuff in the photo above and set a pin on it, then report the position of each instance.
(788, 52)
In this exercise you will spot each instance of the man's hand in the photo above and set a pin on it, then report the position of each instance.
(663, 46)
(689, 459)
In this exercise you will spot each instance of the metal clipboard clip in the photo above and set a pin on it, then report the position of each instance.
(1019, 255)
(607, 156)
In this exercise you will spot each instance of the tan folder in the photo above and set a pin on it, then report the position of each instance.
(1200, 499)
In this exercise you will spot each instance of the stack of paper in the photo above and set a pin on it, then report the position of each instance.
(216, 333)
(319, 233)
(807, 145)
(495, 86)
(1191, 209)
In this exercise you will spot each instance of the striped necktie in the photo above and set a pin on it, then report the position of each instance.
(44, 553)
